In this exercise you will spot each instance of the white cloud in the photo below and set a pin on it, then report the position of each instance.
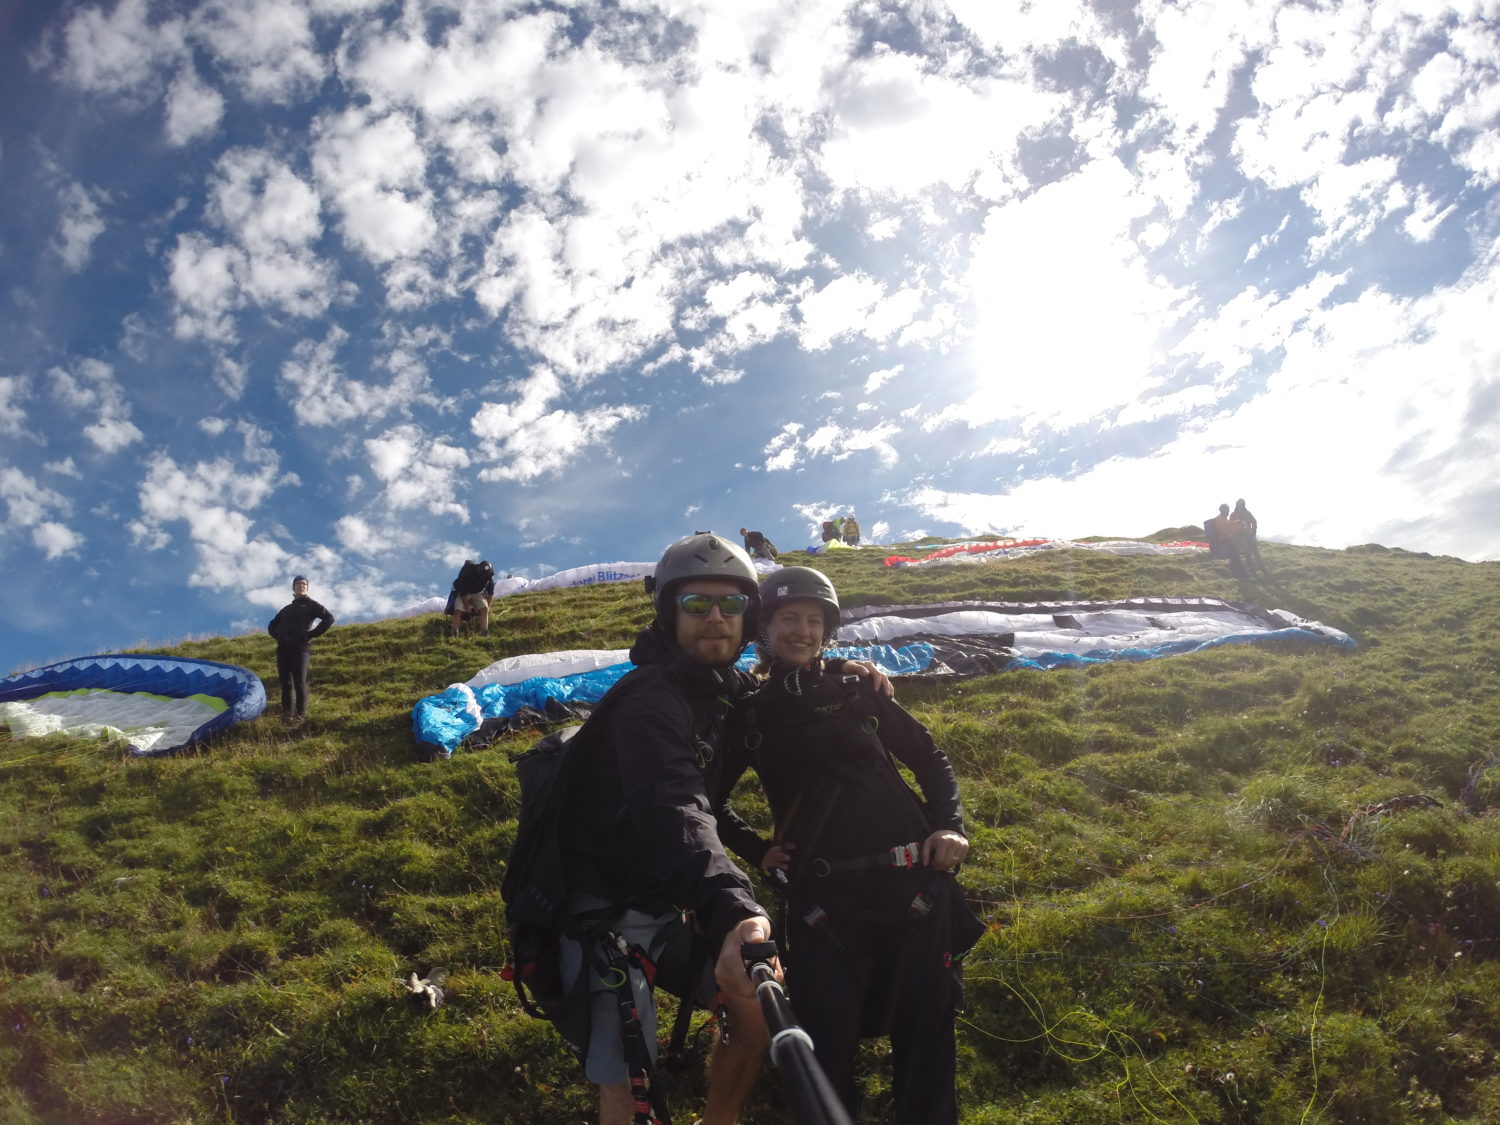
(526, 440)
(418, 471)
(1427, 215)
(1175, 404)
(748, 310)
(272, 217)
(202, 278)
(118, 53)
(79, 225)
(112, 434)
(374, 167)
(28, 503)
(877, 379)
(1069, 316)
(194, 108)
(94, 388)
(230, 375)
(893, 119)
(357, 535)
(782, 450)
(1031, 223)
(487, 61)
(55, 540)
(64, 468)
(1351, 199)
(322, 395)
(842, 308)
(213, 498)
(264, 204)
(266, 46)
(1199, 49)
(832, 442)
(14, 390)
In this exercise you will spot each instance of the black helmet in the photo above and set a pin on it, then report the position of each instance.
(801, 582)
(703, 555)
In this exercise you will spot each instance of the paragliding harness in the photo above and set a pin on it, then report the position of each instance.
(536, 894)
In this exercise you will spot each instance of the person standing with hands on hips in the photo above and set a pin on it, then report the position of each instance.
(295, 627)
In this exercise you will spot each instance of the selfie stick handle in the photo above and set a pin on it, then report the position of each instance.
(813, 1099)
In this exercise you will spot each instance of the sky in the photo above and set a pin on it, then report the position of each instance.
(358, 289)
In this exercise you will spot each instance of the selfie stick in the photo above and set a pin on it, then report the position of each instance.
(808, 1089)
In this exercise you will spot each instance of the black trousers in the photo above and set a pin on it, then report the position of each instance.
(860, 963)
(291, 669)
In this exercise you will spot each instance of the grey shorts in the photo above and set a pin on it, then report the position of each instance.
(669, 941)
(470, 603)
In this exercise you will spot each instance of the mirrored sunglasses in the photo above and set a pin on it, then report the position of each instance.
(699, 605)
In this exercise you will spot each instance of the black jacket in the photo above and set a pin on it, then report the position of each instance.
(641, 828)
(823, 750)
(293, 626)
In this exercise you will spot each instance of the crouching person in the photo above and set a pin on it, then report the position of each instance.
(640, 845)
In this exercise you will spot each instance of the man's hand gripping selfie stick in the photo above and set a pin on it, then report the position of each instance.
(808, 1089)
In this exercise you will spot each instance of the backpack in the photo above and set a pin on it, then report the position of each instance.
(473, 577)
(535, 890)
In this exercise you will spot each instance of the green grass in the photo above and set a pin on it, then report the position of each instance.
(1202, 903)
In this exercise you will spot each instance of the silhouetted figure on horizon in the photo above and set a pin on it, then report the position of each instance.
(1223, 534)
(1249, 547)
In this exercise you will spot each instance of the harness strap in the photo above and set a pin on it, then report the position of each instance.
(612, 957)
(902, 855)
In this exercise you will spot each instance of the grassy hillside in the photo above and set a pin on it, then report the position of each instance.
(1207, 902)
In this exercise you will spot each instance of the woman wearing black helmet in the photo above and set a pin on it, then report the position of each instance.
(870, 939)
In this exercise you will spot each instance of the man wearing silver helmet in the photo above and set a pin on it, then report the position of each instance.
(640, 842)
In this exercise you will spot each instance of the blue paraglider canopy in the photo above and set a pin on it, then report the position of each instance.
(156, 703)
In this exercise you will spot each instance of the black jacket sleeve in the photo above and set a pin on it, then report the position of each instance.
(737, 835)
(667, 801)
(911, 744)
(324, 619)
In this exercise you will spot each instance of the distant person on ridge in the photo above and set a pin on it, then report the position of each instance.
(851, 531)
(1248, 536)
(294, 628)
(473, 591)
(758, 546)
(1223, 541)
(833, 529)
